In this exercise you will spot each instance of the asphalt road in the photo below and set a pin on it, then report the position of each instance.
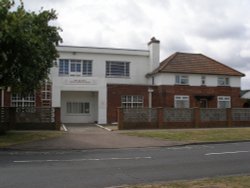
(115, 167)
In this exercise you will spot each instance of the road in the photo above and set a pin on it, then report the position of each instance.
(115, 167)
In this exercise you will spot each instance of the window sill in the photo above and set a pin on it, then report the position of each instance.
(73, 76)
(126, 77)
(223, 86)
(67, 114)
(181, 84)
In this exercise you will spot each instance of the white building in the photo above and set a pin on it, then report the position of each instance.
(81, 75)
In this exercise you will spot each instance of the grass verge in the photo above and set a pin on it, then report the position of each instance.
(21, 137)
(220, 182)
(197, 135)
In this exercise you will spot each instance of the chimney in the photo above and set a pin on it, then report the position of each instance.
(154, 53)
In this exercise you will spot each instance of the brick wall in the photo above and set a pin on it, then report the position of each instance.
(163, 96)
(166, 95)
(38, 99)
(115, 92)
(182, 118)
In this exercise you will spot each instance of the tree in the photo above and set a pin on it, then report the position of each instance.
(27, 46)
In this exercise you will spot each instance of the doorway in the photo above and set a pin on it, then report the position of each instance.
(203, 103)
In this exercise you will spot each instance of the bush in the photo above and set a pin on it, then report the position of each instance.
(3, 128)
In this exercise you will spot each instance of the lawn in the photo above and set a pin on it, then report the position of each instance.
(196, 135)
(20, 137)
(220, 182)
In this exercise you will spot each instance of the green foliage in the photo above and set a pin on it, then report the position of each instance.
(21, 137)
(218, 182)
(27, 46)
(196, 135)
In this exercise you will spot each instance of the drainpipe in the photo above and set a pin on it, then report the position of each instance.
(150, 91)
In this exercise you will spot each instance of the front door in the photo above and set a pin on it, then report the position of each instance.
(203, 103)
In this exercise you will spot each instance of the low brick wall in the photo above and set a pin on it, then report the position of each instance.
(151, 118)
(30, 118)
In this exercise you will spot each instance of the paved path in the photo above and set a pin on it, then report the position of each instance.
(93, 137)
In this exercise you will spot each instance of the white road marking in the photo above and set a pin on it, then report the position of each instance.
(79, 160)
(64, 128)
(180, 148)
(108, 129)
(229, 152)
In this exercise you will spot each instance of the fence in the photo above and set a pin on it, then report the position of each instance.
(182, 118)
(30, 118)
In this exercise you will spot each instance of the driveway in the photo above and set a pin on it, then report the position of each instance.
(86, 136)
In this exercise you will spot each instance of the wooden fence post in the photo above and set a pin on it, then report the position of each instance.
(57, 116)
(197, 117)
(229, 117)
(120, 116)
(160, 117)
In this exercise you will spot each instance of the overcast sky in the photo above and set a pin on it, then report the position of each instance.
(219, 29)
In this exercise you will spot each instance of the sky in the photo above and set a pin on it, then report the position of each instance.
(219, 29)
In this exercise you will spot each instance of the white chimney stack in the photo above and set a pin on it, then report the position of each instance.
(154, 53)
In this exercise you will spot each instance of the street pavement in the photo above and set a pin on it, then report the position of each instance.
(98, 168)
(84, 136)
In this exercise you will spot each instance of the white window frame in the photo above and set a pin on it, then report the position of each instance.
(183, 99)
(68, 67)
(46, 90)
(181, 79)
(223, 81)
(26, 101)
(223, 102)
(77, 64)
(124, 71)
(86, 68)
(64, 66)
(77, 108)
(132, 101)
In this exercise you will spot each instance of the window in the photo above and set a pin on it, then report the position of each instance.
(63, 67)
(75, 67)
(117, 69)
(46, 94)
(181, 79)
(23, 101)
(78, 108)
(46, 91)
(203, 80)
(181, 101)
(87, 68)
(223, 81)
(132, 101)
(224, 102)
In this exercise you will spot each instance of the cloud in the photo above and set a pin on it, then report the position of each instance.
(245, 53)
(219, 29)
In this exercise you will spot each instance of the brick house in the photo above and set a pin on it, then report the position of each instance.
(89, 83)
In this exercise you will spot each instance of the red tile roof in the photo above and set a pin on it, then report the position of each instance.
(194, 64)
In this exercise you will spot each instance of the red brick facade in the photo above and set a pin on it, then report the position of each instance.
(166, 93)
(114, 97)
(163, 96)
(39, 102)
